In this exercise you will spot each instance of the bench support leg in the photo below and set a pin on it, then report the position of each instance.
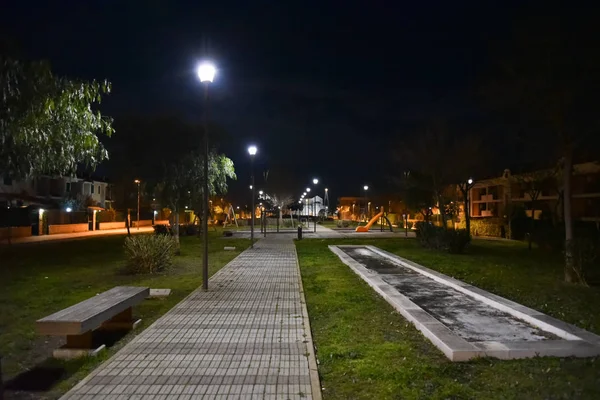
(77, 346)
(121, 321)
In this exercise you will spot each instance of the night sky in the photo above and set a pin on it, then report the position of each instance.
(324, 89)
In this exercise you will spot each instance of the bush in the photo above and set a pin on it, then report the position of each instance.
(188, 230)
(163, 230)
(148, 254)
(457, 240)
(438, 238)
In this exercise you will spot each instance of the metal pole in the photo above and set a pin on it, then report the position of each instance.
(265, 221)
(138, 208)
(365, 204)
(205, 211)
(253, 210)
(315, 213)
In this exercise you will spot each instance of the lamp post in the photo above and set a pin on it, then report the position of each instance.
(307, 210)
(206, 74)
(365, 188)
(137, 181)
(315, 181)
(466, 189)
(252, 151)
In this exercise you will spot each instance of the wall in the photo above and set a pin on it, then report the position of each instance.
(67, 228)
(15, 232)
(143, 222)
(486, 227)
(161, 222)
(111, 225)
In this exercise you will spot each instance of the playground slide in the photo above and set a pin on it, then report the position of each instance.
(371, 222)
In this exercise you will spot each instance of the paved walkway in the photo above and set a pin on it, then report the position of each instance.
(248, 337)
(76, 235)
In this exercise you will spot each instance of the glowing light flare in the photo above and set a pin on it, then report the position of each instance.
(206, 72)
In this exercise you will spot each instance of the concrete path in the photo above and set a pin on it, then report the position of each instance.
(77, 235)
(248, 337)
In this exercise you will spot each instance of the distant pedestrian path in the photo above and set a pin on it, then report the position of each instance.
(246, 338)
(76, 235)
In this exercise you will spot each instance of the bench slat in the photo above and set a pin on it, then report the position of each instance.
(91, 313)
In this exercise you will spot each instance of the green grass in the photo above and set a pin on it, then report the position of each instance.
(38, 280)
(368, 351)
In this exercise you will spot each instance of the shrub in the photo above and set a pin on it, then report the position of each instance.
(188, 230)
(148, 254)
(457, 240)
(163, 230)
(438, 238)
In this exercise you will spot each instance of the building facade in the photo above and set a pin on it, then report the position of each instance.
(493, 198)
(49, 190)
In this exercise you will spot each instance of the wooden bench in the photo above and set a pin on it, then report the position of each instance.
(109, 310)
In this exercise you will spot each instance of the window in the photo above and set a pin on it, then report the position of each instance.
(92, 192)
(7, 181)
(68, 187)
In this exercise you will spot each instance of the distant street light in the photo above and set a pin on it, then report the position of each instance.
(206, 73)
(365, 188)
(69, 209)
(137, 181)
(315, 181)
(252, 151)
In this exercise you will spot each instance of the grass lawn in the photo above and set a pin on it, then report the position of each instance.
(367, 350)
(40, 279)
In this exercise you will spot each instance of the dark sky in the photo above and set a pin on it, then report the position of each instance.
(323, 88)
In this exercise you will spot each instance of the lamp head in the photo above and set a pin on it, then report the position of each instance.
(252, 150)
(365, 187)
(470, 181)
(315, 181)
(308, 189)
(206, 72)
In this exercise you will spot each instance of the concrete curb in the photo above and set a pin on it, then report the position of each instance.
(315, 382)
(576, 342)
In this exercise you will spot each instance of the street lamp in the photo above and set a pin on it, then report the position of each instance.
(252, 151)
(137, 181)
(206, 73)
(315, 181)
(365, 188)
(465, 189)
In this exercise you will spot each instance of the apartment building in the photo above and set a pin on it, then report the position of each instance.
(491, 198)
(50, 190)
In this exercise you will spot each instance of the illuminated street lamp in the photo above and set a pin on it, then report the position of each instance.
(365, 188)
(315, 181)
(206, 73)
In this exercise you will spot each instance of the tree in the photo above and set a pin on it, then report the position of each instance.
(181, 182)
(47, 123)
(437, 160)
(547, 82)
(533, 183)
(280, 202)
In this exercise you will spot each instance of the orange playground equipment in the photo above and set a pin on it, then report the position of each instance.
(366, 227)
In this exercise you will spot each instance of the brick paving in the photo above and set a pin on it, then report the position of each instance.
(248, 337)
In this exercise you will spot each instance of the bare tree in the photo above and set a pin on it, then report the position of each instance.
(281, 202)
(533, 183)
(547, 82)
